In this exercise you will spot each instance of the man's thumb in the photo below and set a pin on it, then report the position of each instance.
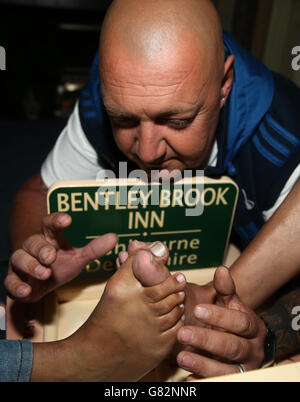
(97, 248)
(224, 286)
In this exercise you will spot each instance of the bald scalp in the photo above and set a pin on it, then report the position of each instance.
(146, 30)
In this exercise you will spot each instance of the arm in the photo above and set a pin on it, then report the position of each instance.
(284, 323)
(28, 209)
(273, 257)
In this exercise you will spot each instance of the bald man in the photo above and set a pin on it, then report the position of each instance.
(170, 90)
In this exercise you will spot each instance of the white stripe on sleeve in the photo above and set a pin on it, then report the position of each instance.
(284, 193)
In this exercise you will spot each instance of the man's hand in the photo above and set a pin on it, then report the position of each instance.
(47, 261)
(233, 334)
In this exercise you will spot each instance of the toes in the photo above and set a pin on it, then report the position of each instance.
(147, 271)
(169, 320)
(122, 257)
(158, 249)
(135, 245)
(173, 284)
(166, 305)
(160, 252)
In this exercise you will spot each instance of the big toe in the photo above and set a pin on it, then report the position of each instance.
(158, 249)
(147, 270)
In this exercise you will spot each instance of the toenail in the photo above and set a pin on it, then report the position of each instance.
(186, 335)
(136, 243)
(158, 249)
(123, 255)
(180, 278)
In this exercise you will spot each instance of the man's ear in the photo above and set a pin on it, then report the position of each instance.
(227, 80)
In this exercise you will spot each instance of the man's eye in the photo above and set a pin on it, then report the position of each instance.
(179, 124)
(124, 122)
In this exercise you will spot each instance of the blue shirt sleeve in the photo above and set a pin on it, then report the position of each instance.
(16, 359)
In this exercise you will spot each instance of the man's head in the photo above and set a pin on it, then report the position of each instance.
(164, 80)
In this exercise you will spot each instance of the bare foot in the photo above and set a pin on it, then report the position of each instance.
(194, 294)
(135, 324)
(160, 252)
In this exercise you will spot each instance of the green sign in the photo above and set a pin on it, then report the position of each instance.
(194, 220)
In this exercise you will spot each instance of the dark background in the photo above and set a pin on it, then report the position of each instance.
(48, 44)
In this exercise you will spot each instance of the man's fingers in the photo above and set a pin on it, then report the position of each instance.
(40, 249)
(222, 345)
(24, 263)
(223, 282)
(53, 226)
(234, 321)
(97, 248)
(16, 288)
(225, 290)
(203, 366)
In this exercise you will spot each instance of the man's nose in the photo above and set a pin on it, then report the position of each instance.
(151, 147)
